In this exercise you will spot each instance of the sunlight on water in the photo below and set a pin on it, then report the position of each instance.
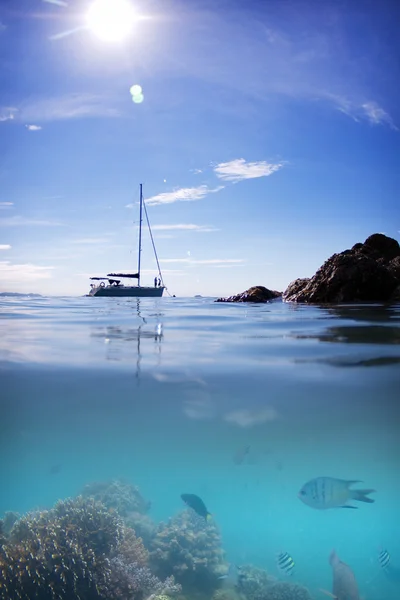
(239, 404)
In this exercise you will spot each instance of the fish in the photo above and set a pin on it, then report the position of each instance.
(384, 559)
(241, 454)
(344, 582)
(285, 563)
(327, 492)
(196, 504)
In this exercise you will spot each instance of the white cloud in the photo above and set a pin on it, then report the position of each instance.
(238, 169)
(248, 418)
(33, 127)
(6, 204)
(7, 113)
(11, 273)
(18, 221)
(184, 227)
(5, 246)
(72, 106)
(183, 194)
(2, 27)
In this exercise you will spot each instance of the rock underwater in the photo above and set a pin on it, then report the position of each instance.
(369, 272)
(257, 293)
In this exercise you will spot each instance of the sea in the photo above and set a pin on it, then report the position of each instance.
(240, 404)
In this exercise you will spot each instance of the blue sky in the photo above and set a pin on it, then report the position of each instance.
(268, 139)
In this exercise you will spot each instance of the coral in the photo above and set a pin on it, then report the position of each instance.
(60, 553)
(190, 548)
(132, 549)
(256, 584)
(118, 495)
(284, 590)
(127, 500)
(253, 582)
(131, 580)
(8, 521)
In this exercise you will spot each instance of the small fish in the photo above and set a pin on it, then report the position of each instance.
(384, 558)
(285, 563)
(344, 582)
(327, 492)
(196, 504)
(54, 469)
(241, 454)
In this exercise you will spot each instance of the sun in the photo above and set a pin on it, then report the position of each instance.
(111, 20)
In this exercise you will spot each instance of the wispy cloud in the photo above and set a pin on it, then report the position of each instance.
(15, 273)
(211, 261)
(18, 221)
(72, 106)
(6, 205)
(377, 115)
(248, 418)
(5, 247)
(2, 27)
(88, 241)
(7, 113)
(185, 227)
(359, 111)
(238, 169)
(33, 127)
(183, 194)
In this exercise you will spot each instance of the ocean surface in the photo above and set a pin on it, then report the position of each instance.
(239, 404)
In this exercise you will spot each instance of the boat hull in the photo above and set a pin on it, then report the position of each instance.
(127, 291)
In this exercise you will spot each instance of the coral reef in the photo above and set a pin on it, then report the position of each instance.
(253, 582)
(118, 495)
(132, 549)
(131, 580)
(283, 590)
(60, 553)
(127, 500)
(256, 584)
(190, 548)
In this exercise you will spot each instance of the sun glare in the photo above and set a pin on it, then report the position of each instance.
(111, 20)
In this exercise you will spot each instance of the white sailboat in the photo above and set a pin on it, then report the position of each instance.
(111, 285)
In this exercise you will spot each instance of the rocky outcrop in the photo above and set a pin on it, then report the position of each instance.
(369, 272)
(257, 293)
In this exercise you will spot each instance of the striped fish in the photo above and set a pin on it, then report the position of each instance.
(327, 492)
(285, 563)
(384, 559)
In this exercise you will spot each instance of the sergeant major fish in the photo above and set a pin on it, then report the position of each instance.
(327, 492)
(285, 563)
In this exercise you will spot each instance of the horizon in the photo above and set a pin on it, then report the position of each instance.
(266, 139)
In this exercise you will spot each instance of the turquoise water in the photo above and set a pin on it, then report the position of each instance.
(167, 392)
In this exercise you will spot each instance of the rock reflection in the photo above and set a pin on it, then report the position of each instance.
(351, 330)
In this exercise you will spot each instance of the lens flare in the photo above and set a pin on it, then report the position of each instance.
(136, 90)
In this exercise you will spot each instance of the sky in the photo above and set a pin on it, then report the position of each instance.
(266, 134)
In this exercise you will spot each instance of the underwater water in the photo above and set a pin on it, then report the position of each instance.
(239, 404)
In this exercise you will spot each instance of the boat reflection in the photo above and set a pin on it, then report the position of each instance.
(116, 338)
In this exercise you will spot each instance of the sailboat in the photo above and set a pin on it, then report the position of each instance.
(111, 285)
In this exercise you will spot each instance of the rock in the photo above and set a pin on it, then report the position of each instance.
(369, 272)
(257, 293)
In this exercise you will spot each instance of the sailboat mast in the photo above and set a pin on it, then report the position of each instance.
(140, 230)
